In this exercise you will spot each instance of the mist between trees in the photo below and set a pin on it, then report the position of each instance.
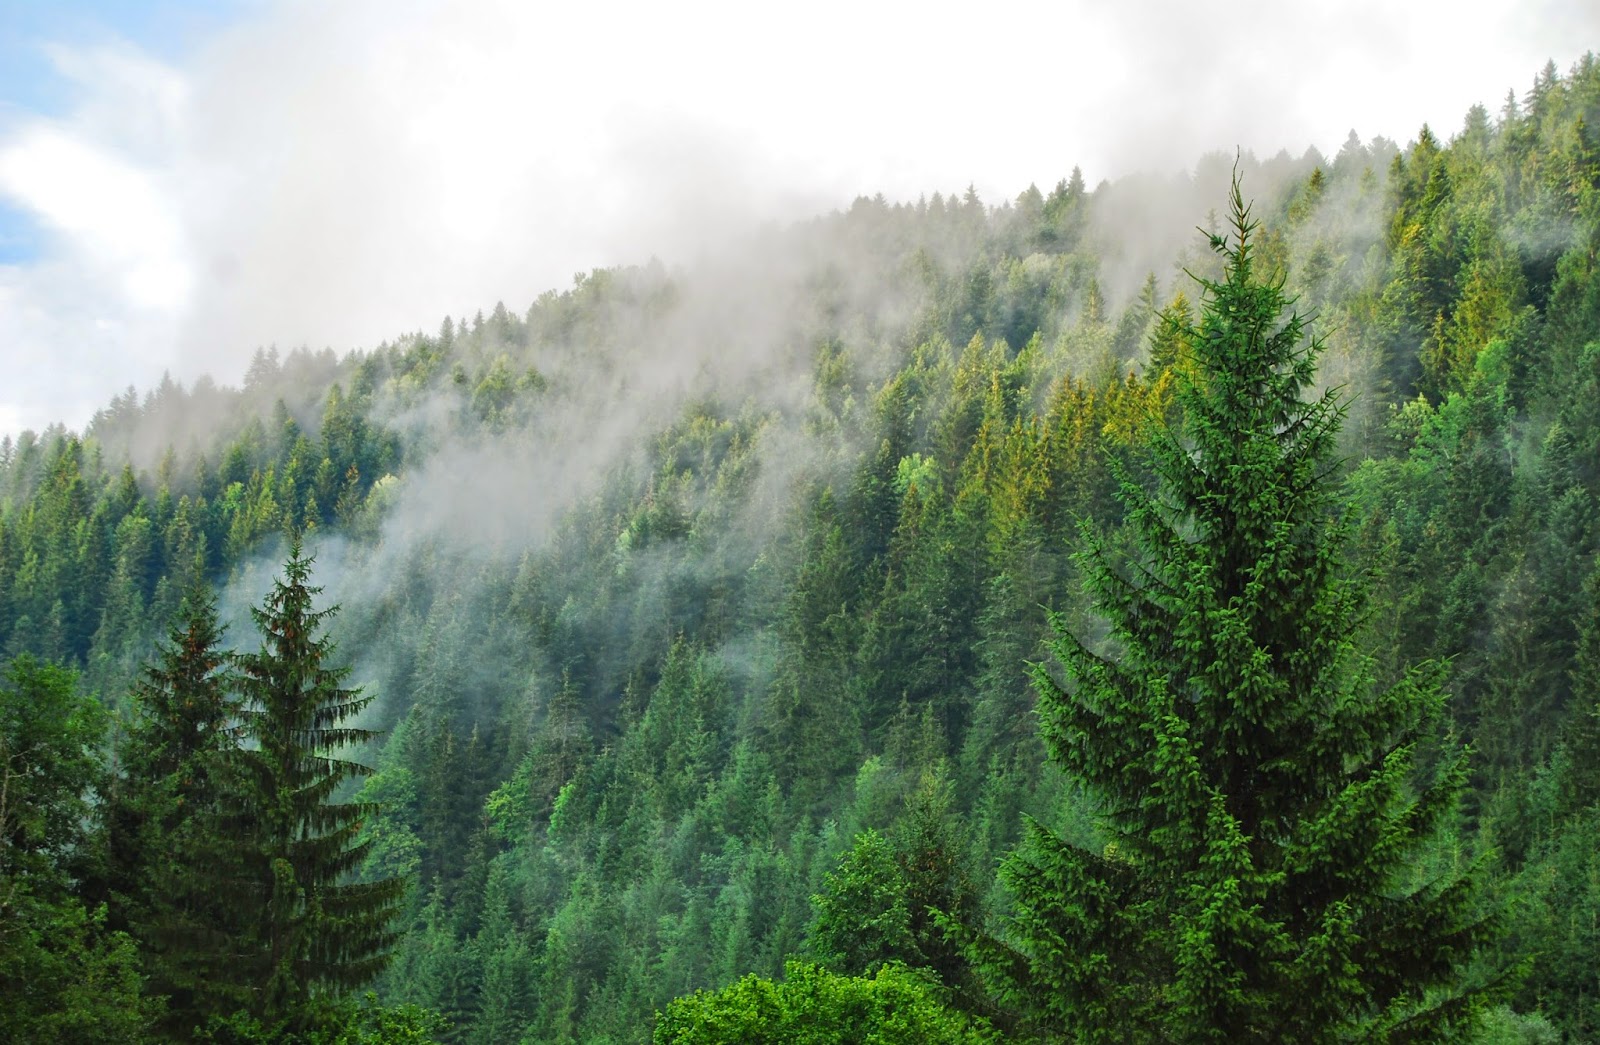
(695, 606)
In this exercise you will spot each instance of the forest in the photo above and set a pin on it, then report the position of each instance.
(935, 621)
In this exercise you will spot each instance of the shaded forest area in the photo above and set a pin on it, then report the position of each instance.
(694, 609)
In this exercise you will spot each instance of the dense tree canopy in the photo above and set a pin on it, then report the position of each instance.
(691, 612)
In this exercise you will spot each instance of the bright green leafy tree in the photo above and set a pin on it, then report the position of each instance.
(812, 1006)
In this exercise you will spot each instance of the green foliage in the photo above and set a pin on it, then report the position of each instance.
(344, 1023)
(165, 820)
(890, 900)
(312, 927)
(1503, 1026)
(863, 914)
(812, 1006)
(1256, 786)
(63, 976)
(643, 699)
(1554, 919)
(51, 765)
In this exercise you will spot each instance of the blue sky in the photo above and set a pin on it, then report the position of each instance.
(31, 85)
(167, 29)
(182, 182)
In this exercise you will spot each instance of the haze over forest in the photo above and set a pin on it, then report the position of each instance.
(819, 624)
(183, 182)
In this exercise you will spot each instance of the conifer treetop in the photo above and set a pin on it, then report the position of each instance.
(1259, 797)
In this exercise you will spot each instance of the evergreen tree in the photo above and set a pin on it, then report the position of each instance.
(165, 838)
(1580, 786)
(63, 977)
(317, 930)
(1260, 802)
(863, 915)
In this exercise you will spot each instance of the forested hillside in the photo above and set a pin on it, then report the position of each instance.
(695, 610)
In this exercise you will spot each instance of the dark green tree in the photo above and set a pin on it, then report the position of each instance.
(890, 898)
(505, 997)
(165, 836)
(63, 977)
(1260, 797)
(863, 914)
(318, 931)
(1580, 783)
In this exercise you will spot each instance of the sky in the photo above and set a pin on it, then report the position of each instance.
(184, 181)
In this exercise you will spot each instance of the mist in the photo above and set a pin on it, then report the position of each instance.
(700, 425)
(326, 177)
(313, 195)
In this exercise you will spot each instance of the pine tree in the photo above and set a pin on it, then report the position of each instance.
(165, 837)
(1581, 786)
(317, 929)
(1261, 803)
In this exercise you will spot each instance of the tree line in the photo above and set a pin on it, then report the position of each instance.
(755, 713)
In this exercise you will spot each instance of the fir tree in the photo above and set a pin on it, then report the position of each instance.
(1580, 787)
(317, 929)
(1260, 799)
(165, 837)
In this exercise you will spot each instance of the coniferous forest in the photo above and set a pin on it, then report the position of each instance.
(938, 621)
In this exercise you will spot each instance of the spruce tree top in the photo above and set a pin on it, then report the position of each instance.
(295, 699)
(1241, 602)
(183, 708)
(316, 928)
(1257, 790)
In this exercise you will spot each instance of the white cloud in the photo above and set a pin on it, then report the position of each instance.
(333, 174)
(107, 210)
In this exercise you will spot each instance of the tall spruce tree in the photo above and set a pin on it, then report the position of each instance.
(165, 821)
(317, 929)
(1580, 784)
(1263, 809)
